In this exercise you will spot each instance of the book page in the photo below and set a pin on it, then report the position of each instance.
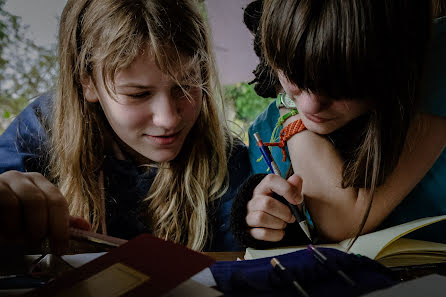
(367, 245)
(412, 247)
(372, 243)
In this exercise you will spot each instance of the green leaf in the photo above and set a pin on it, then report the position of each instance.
(6, 114)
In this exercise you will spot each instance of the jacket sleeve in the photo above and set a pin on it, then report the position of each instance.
(23, 144)
(293, 233)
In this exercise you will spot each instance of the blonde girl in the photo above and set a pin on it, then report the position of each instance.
(132, 139)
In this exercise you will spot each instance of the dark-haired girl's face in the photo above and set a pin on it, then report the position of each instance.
(323, 115)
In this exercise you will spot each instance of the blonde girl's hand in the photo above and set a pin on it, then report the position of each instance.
(266, 216)
(31, 209)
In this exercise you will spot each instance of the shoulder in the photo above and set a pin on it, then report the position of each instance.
(37, 113)
(433, 96)
(23, 143)
(238, 147)
(238, 159)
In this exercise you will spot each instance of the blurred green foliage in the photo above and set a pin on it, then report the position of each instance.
(246, 104)
(26, 70)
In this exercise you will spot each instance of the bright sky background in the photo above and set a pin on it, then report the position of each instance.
(40, 15)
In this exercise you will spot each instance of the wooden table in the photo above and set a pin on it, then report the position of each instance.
(226, 256)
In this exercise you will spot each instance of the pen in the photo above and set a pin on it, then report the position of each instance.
(275, 169)
(267, 155)
(324, 261)
(96, 237)
(286, 276)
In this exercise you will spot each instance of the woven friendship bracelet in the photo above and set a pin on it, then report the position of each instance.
(286, 133)
(280, 121)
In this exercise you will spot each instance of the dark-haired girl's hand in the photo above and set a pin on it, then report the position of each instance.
(32, 209)
(266, 216)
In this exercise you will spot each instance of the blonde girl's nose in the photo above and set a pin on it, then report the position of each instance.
(166, 112)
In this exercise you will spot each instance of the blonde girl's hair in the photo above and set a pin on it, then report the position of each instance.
(360, 50)
(438, 8)
(107, 35)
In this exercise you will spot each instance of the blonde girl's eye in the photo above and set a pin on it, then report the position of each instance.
(133, 98)
(139, 95)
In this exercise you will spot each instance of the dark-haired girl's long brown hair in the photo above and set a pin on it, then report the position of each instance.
(359, 50)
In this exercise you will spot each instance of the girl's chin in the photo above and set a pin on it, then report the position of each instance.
(162, 156)
(319, 128)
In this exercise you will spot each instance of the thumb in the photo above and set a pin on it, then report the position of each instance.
(296, 181)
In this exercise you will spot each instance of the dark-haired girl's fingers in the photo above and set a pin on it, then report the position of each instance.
(266, 234)
(264, 220)
(270, 206)
(291, 191)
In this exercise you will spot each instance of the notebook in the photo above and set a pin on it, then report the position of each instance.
(144, 266)
(386, 246)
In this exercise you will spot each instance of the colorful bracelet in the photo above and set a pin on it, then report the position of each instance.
(286, 133)
(280, 121)
(285, 117)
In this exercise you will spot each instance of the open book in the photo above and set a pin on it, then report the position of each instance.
(386, 246)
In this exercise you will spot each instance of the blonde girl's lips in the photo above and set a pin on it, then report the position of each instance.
(163, 139)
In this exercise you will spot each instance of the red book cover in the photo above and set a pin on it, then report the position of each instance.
(144, 266)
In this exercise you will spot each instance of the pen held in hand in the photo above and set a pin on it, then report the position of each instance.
(275, 169)
(286, 276)
(324, 261)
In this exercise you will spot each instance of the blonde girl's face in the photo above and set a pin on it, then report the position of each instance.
(151, 113)
(323, 115)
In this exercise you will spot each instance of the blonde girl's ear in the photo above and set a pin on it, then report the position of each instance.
(89, 89)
